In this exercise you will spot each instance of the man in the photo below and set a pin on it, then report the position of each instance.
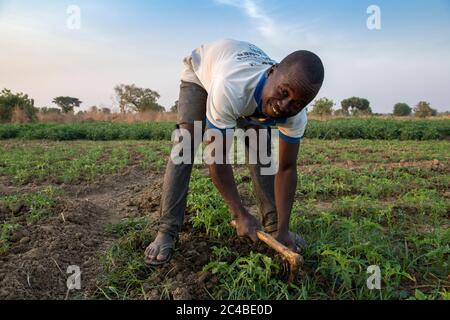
(228, 84)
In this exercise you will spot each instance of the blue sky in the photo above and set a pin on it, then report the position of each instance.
(143, 42)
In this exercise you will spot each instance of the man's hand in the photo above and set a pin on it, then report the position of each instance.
(247, 226)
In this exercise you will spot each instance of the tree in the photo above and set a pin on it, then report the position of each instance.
(402, 110)
(106, 110)
(323, 107)
(174, 108)
(423, 110)
(11, 103)
(356, 106)
(131, 97)
(93, 109)
(67, 104)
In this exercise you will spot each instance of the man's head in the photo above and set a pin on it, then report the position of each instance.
(292, 84)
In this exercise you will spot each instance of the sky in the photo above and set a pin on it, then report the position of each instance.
(144, 42)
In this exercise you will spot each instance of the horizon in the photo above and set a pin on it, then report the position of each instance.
(144, 43)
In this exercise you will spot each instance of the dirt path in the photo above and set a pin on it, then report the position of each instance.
(75, 235)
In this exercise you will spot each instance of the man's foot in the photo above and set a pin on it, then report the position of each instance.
(270, 224)
(160, 251)
(294, 241)
(300, 243)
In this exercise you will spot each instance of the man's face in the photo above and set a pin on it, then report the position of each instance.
(282, 96)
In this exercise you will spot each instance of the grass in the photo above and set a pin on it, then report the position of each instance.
(247, 278)
(210, 213)
(37, 205)
(125, 274)
(22, 210)
(151, 159)
(358, 203)
(6, 230)
(75, 162)
(356, 232)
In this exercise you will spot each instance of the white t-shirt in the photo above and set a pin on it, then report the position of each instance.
(230, 71)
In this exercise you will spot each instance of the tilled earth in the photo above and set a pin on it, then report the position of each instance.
(74, 235)
(36, 266)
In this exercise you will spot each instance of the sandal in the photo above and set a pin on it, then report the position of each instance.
(299, 241)
(162, 247)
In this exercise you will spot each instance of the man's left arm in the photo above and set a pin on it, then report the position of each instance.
(285, 187)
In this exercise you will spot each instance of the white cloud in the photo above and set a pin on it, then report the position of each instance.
(280, 31)
(253, 10)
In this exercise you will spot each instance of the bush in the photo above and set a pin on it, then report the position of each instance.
(16, 106)
(402, 110)
(423, 110)
(323, 107)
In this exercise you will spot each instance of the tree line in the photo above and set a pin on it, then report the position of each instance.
(356, 106)
(131, 98)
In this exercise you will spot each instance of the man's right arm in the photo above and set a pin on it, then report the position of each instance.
(219, 114)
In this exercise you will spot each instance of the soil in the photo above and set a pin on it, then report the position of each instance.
(75, 234)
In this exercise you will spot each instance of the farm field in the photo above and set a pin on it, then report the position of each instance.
(95, 204)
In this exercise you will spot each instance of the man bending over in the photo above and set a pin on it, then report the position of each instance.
(228, 84)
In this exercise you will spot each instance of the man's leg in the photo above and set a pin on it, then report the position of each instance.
(191, 107)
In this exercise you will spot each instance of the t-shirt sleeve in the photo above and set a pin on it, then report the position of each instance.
(293, 129)
(219, 110)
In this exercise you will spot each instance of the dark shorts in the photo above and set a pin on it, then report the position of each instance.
(191, 103)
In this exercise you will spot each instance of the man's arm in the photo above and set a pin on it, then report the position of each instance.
(285, 187)
(223, 178)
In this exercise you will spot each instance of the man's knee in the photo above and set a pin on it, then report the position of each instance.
(189, 138)
(187, 126)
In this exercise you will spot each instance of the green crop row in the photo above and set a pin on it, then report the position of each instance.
(35, 164)
(406, 237)
(371, 128)
(97, 131)
(379, 129)
(24, 162)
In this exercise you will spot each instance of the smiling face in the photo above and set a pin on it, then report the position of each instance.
(292, 85)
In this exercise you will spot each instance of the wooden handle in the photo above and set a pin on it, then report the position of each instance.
(292, 257)
(274, 244)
